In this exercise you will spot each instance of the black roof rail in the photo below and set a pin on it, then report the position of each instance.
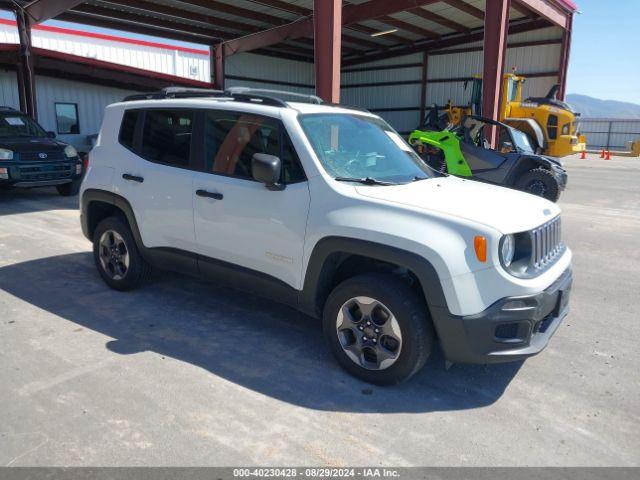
(280, 95)
(7, 108)
(263, 96)
(175, 92)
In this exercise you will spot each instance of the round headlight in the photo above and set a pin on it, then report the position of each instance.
(70, 152)
(507, 250)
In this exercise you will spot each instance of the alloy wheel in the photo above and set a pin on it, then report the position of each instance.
(114, 255)
(369, 333)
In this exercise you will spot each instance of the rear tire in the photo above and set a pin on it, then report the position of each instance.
(378, 328)
(117, 257)
(69, 189)
(540, 182)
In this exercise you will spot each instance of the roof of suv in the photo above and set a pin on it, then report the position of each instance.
(268, 99)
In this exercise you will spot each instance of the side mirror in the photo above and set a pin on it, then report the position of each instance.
(266, 169)
(51, 134)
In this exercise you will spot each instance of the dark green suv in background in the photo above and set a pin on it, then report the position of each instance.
(32, 157)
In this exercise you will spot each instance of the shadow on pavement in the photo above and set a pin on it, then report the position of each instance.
(25, 200)
(258, 344)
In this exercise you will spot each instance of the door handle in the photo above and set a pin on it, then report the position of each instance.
(204, 193)
(133, 178)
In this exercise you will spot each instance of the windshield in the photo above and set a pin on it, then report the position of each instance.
(521, 141)
(361, 147)
(19, 125)
(512, 90)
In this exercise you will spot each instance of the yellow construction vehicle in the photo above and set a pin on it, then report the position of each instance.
(550, 123)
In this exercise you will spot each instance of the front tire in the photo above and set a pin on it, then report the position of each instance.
(540, 182)
(378, 328)
(117, 257)
(69, 189)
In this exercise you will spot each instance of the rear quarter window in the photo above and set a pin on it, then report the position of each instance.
(128, 128)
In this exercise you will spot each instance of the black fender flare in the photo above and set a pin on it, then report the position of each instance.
(529, 160)
(322, 264)
(96, 195)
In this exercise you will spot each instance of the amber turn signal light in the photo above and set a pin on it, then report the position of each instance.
(480, 246)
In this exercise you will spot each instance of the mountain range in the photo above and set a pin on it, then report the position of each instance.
(590, 107)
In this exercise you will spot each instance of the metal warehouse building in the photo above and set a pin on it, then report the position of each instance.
(392, 57)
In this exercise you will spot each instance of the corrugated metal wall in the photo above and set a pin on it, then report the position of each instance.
(402, 89)
(179, 62)
(90, 99)
(9, 96)
(260, 71)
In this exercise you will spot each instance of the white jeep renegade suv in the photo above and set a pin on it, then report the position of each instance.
(327, 209)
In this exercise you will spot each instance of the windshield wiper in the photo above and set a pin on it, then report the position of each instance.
(417, 178)
(365, 181)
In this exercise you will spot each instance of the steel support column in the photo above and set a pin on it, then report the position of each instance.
(327, 27)
(26, 76)
(423, 86)
(496, 24)
(564, 58)
(217, 60)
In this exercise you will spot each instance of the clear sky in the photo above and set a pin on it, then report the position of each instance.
(605, 53)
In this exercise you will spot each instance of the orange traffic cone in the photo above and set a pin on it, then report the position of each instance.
(583, 155)
(602, 153)
(608, 157)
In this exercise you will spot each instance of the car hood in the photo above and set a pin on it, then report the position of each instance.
(504, 209)
(30, 144)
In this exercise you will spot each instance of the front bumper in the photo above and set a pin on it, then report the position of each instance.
(40, 174)
(511, 329)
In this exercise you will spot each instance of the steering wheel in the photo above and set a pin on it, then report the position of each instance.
(353, 166)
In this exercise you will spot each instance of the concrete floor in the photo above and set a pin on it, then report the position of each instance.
(184, 373)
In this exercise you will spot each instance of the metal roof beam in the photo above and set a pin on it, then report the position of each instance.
(407, 27)
(264, 17)
(284, 6)
(39, 11)
(435, 18)
(465, 7)
(132, 19)
(450, 40)
(302, 11)
(351, 14)
(149, 8)
(522, 10)
(548, 10)
(237, 11)
(134, 27)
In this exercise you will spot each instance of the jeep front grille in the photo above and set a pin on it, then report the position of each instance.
(546, 243)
